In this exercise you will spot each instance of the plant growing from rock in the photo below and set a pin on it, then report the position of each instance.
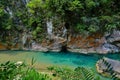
(109, 69)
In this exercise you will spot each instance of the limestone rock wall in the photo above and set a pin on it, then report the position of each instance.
(95, 43)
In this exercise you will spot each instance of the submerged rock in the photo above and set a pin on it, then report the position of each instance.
(107, 66)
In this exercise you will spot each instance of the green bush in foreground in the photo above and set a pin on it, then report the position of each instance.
(20, 71)
(14, 71)
(79, 73)
(32, 74)
(9, 70)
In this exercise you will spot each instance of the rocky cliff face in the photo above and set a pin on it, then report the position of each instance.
(96, 43)
(113, 41)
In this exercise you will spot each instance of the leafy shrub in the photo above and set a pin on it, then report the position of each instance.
(13, 71)
(80, 28)
(32, 74)
(9, 70)
(80, 73)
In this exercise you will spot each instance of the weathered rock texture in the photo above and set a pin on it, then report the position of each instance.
(94, 43)
(105, 66)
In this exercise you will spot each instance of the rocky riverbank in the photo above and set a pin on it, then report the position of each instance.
(108, 67)
(95, 43)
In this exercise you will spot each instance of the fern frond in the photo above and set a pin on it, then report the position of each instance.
(85, 73)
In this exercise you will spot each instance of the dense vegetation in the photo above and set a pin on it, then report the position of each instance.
(79, 73)
(15, 71)
(83, 16)
(18, 71)
(22, 71)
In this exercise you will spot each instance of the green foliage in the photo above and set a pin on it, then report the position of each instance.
(32, 74)
(80, 28)
(104, 1)
(106, 18)
(110, 27)
(90, 3)
(82, 15)
(15, 71)
(9, 71)
(80, 73)
(84, 74)
(92, 28)
(75, 5)
(110, 22)
(51, 68)
(5, 22)
(1, 12)
(33, 61)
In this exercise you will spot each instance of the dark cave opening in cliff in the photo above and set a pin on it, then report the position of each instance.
(64, 48)
(67, 25)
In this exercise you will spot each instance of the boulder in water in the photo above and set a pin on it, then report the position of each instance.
(107, 66)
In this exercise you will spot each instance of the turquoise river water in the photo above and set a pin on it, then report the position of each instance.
(58, 59)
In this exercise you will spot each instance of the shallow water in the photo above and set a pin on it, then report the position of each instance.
(58, 59)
